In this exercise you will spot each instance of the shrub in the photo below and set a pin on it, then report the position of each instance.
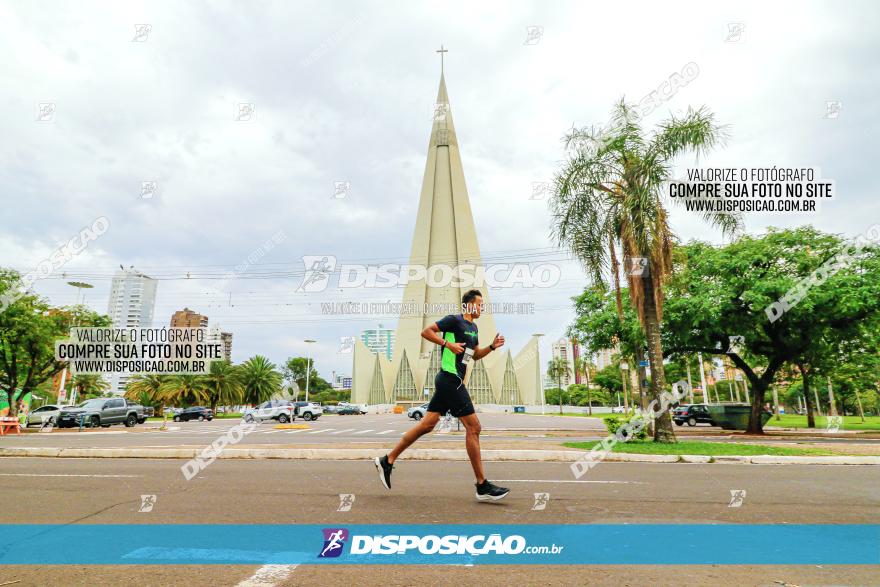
(614, 423)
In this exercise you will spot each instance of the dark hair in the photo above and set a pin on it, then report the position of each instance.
(470, 295)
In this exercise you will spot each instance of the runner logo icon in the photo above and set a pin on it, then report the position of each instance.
(334, 541)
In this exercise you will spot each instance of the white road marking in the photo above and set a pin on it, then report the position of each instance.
(345, 430)
(268, 576)
(570, 481)
(364, 431)
(60, 475)
(322, 430)
(386, 432)
(295, 431)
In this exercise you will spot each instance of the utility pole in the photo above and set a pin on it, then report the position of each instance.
(308, 366)
(690, 385)
(706, 397)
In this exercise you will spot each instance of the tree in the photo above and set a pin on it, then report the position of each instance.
(147, 389)
(610, 192)
(609, 379)
(29, 327)
(259, 380)
(294, 372)
(719, 292)
(557, 369)
(583, 366)
(185, 390)
(223, 384)
(89, 385)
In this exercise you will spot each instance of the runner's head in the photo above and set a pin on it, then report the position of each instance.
(472, 303)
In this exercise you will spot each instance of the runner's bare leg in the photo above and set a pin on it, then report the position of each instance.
(472, 443)
(424, 426)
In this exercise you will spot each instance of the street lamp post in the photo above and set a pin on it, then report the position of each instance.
(308, 367)
(540, 378)
(80, 286)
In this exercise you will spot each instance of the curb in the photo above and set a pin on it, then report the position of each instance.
(424, 454)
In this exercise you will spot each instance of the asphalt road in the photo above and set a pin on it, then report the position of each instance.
(367, 429)
(99, 491)
(328, 429)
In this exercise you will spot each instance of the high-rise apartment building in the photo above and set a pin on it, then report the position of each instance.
(131, 305)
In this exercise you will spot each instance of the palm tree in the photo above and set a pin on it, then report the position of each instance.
(88, 384)
(147, 387)
(583, 365)
(259, 379)
(187, 390)
(223, 384)
(608, 195)
(556, 369)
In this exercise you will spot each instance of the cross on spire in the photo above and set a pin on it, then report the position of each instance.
(441, 51)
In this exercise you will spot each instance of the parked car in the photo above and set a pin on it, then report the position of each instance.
(350, 409)
(102, 411)
(281, 410)
(199, 413)
(307, 410)
(417, 412)
(47, 414)
(331, 409)
(692, 414)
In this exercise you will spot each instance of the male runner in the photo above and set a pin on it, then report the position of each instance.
(459, 334)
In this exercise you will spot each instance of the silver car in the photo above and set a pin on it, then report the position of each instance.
(47, 415)
(282, 410)
(417, 412)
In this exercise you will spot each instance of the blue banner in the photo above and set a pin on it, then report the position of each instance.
(624, 544)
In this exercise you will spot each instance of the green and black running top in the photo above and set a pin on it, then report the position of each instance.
(456, 329)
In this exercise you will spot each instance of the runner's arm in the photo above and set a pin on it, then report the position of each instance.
(430, 334)
(481, 352)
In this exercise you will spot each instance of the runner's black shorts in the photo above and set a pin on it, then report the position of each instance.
(450, 396)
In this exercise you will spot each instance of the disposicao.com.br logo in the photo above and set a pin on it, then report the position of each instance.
(431, 544)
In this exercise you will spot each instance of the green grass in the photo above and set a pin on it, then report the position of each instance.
(849, 422)
(702, 448)
(785, 421)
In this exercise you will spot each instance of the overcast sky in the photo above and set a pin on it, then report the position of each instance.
(343, 92)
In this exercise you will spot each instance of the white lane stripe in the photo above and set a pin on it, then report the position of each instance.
(570, 481)
(386, 432)
(295, 431)
(59, 475)
(364, 431)
(322, 430)
(345, 430)
(268, 576)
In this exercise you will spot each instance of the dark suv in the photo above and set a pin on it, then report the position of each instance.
(194, 413)
(692, 414)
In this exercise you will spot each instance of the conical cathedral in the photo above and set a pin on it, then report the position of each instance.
(444, 235)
